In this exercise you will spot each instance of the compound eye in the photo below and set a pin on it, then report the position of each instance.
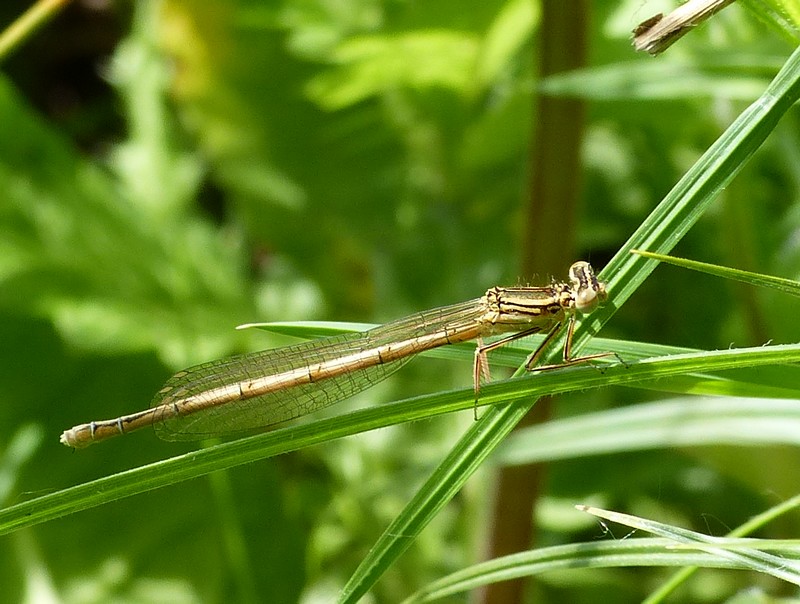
(586, 300)
(589, 292)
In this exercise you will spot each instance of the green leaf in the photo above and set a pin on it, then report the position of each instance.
(737, 78)
(683, 422)
(372, 65)
(786, 286)
(507, 36)
(749, 558)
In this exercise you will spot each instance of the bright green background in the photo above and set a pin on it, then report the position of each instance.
(354, 161)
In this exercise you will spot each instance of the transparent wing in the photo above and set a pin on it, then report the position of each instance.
(280, 406)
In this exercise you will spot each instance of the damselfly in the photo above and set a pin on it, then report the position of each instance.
(261, 389)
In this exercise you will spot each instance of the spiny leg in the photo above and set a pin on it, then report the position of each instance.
(567, 359)
(481, 365)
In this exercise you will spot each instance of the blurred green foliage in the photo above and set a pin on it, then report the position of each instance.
(313, 159)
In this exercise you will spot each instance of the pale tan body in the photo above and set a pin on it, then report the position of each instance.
(266, 388)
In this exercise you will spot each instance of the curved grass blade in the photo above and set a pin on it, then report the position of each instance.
(787, 286)
(660, 231)
(625, 553)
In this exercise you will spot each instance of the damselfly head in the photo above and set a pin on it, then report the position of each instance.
(589, 292)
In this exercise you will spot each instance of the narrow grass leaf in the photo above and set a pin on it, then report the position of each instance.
(753, 559)
(787, 286)
(660, 231)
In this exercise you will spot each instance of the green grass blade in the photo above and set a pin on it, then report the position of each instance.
(752, 525)
(750, 558)
(786, 286)
(514, 391)
(595, 554)
(764, 383)
(684, 422)
(13, 36)
(625, 553)
(660, 231)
